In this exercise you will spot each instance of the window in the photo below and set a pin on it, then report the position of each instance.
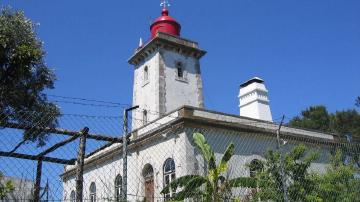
(349, 137)
(92, 192)
(118, 188)
(169, 176)
(349, 154)
(145, 117)
(255, 167)
(146, 74)
(148, 171)
(180, 70)
(72, 196)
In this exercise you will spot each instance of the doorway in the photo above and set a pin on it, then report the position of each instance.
(148, 174)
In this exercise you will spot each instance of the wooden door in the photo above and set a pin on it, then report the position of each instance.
(149, 189)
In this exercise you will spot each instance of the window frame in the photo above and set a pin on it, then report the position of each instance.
(169, 175)
(255, 167)
(179, 66)
(92, 192)
(118, 188)
(146, 75)
(148, 171)
(145, 117)
(180, 72)
(72, 196)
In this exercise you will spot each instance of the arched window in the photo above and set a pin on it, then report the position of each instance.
(72, 196)
(255, 167)
(148, 171)
(92, 192)
(148, 174)
(146, 73)
(118, 188)
(169, 176)
(145, 117)
(180, 70)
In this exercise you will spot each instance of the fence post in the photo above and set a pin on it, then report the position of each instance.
(80, 165)
(124, 143)
(38, 180)
(282, 171)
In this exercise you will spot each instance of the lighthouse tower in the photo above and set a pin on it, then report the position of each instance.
(166, 71)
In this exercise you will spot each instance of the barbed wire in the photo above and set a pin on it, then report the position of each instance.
(88, 100)
(93, 116)
(141, 110)
(87, 104)
(122, 105)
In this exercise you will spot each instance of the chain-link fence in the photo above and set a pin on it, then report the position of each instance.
(30, 172)
(173, 158)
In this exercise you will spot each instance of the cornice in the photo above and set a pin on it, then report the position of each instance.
(167, 42)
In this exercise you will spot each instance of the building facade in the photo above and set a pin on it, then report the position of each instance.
(168, 90)
(168, 140)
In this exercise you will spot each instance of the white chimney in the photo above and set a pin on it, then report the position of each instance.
(254, 102)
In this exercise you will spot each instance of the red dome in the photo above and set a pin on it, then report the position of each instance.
(165, 24)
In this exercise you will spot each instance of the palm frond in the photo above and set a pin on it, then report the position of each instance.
(191, 189)
(182, 195)
(179, 182)
(243, 182)
(195, 183)
(229, 152)
(203, 146)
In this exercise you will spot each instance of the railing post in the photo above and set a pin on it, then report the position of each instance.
(80, 165)
(38, 180)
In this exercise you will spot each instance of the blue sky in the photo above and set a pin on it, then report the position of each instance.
(308, 52)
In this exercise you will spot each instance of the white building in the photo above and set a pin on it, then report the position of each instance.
(168, 89)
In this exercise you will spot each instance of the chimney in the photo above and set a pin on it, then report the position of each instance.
(254, 102)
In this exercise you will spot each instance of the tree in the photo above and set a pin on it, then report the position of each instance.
(346, 122)
(357, 101)
(339, 182)
(5, 187)
(213, 186)
(315, 117)
(24, 76)
(299, 182)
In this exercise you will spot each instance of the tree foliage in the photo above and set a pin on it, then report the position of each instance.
(214, 186)
(357, 101)
(339, 183)
(315, 117)
(24, 76)
(341, 122)
(346, 123)
(298, 181)
(6, 187)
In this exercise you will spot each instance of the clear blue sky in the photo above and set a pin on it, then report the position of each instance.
(308, 52)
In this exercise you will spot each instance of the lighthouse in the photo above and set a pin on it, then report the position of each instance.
(167, 71)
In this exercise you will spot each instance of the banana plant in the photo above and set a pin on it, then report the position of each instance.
(213, 186)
